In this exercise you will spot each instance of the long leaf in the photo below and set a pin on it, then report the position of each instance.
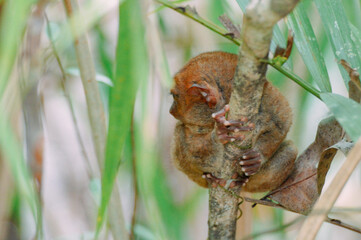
(306, 43)
(16, 13)
(12, 151)
(338, 31)
(346, 111)
(129, 69)
(13, 21)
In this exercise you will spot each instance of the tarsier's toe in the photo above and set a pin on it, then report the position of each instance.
(238, 181)
(234, 182)
(250, 162)
(214, 181)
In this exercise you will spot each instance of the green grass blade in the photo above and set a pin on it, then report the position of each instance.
(356, 38)
(130, 68)
(15, 12)
(347, 113)
(12, 151)
(13, 22)
(338, 32)
(308, 48)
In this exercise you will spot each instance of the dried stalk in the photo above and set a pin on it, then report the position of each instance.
(258, 22)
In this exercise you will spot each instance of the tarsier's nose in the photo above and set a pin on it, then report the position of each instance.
(173, 110)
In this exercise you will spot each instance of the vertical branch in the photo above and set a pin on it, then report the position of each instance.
(248, 82)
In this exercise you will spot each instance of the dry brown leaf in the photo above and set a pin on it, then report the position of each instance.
(285, 52)
(233, 30)
(354, 85)
(300, 191)
(326, 159)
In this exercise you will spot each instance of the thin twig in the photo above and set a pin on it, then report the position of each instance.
(329, 220)
(307, 86)
(192, 14)
(276, 229)
(68, 99)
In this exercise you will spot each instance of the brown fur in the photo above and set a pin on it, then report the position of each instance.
(196, 146)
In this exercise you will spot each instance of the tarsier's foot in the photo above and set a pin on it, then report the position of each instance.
(236, 180)
(225, 127)
(250, 162)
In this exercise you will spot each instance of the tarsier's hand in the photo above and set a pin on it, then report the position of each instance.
(250, 162)
(230, 130)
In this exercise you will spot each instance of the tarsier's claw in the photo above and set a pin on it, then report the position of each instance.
(250, 162)
(225, 127)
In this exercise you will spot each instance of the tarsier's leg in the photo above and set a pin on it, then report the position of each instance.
(275, 171)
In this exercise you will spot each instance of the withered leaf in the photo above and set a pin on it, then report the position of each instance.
(326, 159)
(354, 91)
(230, 26)
(300, 191)
(285, 52)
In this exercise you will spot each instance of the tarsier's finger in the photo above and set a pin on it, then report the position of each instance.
(250, 162)
(250, 173)
(221, 113)
(251, 155)
(239, 128)
(249, 170)
(224, 138)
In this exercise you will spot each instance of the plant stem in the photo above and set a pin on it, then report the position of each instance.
(192, 14)
(68, 99)
(92, 95)
(305, 85)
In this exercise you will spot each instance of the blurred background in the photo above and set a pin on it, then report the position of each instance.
(43, 99)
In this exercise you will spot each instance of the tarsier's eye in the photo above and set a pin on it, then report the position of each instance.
(175, 96)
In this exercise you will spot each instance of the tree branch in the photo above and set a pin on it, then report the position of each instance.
(248, 82)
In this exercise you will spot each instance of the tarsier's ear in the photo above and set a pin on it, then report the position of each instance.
(208, 94)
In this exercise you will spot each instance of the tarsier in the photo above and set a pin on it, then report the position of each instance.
(201, 93)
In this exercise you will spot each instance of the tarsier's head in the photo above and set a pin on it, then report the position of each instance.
(202, 87)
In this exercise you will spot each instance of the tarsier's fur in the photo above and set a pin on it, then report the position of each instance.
(195, 144)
